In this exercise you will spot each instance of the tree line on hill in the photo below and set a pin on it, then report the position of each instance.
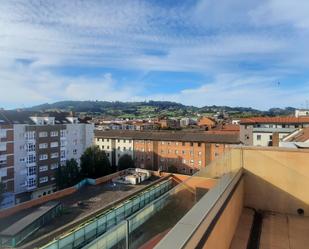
(94, 163)
(154, 108)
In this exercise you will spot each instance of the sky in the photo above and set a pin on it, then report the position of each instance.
(207, 52)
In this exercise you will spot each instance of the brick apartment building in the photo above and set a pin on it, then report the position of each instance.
(187, 151)
(32, 146)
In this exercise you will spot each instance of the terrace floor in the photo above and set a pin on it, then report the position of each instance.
(279, 231)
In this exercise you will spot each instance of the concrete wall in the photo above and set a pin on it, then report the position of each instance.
(222, 234)
(277, 179)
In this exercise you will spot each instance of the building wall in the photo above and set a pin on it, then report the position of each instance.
(144, 154)
(276, 179)
(20, 155)
(122, 147)
(246, 134)
(223, 232)
(265, 138)
(7, 163)
(187, 157)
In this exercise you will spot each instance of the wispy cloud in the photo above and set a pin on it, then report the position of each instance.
(255, 43)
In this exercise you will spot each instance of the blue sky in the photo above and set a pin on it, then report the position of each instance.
(195, 52)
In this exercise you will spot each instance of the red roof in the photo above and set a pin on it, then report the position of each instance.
(278, 120)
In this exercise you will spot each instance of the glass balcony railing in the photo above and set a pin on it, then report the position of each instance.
(148, 226)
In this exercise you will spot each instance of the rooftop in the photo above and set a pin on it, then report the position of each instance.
(227, 138)
(275, 120)
(24, 117)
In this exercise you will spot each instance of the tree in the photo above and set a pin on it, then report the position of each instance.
(2, 190)
(68, 175)
(125, 162)
(95, 163)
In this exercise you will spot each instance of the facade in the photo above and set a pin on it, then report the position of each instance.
(188, 152)
(261, 131)
(301, 113)
(35, 145)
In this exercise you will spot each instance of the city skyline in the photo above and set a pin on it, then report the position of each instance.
(193, 52)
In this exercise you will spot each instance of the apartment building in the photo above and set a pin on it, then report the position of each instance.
(269, 131)
(33, 146)
(187, 151)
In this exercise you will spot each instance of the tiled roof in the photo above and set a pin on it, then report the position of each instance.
(230, 138)
(277, 120)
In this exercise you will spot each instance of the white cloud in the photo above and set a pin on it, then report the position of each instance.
(206, 38)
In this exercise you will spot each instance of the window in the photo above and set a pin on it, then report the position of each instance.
(200, 153)
(124, 148)
(54, 155)
(43, 146)
(54, 144)
(124, 140)
(63, 143)
(74, 151)
(75, 141)
(31, 158)
(199, 162)
(183, 152)
(183, 143)
(31, 183)
(2, 133)
(44, 179)
(176, 143)
(168, 151)
(191, 153)
(162, 142)
(191, 144)
(43, 157)
(191, 161)
(270, 137)
(22, 160)
(30, 147)
(62, 133)
(102, 147)
(54, 166)
(108, 147)
(3, 159)
(62, 154)
(118, 147)
(30, 135)
(118, 140)
(31, 171)
(199, 144)
(54, 133)
(43, 168)
(176, 151)
(43, 134)
(258, 137)
(184, 161)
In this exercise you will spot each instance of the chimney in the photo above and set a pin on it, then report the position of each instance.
(276, 139)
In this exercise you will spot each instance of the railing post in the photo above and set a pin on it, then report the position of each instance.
(127, 234)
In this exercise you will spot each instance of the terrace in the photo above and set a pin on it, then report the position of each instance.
(249, 198)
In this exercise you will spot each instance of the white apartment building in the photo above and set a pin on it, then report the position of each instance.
(40, 143)
(115, 148)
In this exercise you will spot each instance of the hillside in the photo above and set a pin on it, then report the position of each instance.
(153, 109)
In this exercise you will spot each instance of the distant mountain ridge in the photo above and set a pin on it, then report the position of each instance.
(153, 109)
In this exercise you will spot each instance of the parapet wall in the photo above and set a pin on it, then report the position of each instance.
(58, 194)
(276, 179)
